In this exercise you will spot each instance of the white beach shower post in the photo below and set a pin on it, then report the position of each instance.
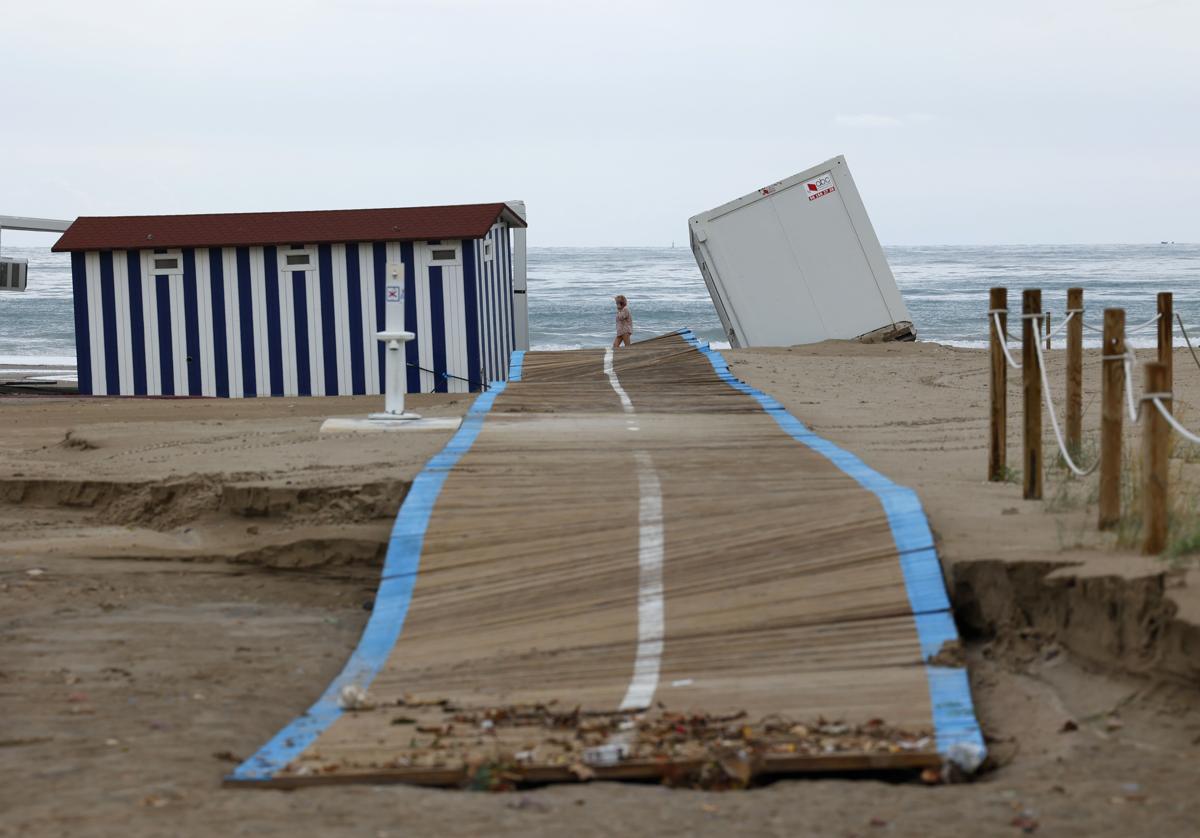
(394, 337)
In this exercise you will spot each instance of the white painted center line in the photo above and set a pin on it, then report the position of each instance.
(651, 611)
(650, 587)
(612, 379)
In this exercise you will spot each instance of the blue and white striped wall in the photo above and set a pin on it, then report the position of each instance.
(496, 338)
(234, 324)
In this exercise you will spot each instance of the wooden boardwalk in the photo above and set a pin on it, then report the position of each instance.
(629, 564)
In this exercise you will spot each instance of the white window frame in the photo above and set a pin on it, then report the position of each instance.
(168, 253)
(285, 250)
(456, 246)
(489, 250)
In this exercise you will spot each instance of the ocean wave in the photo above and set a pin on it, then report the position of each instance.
(39, 361)
(570, 293)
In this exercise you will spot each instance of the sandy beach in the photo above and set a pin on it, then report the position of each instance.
(183, 577)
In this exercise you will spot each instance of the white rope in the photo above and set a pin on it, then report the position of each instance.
(1171, 420)
(1061, 325)
(1005, 331)
(1129, 360)
(1054, 418)
(1004, 342)
(1133, 329)
(996, 312)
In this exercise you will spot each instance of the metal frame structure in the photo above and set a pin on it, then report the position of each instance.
(15, 277)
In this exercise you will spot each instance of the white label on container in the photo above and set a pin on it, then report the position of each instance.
(819, 186)
(768, 190)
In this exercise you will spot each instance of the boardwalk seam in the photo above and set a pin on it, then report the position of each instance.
(954, 718)
(392, 597)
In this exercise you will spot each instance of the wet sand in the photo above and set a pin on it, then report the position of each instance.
(202, 569)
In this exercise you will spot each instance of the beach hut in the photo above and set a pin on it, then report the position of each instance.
(288, 303)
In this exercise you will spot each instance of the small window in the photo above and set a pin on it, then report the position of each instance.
(166, 262)
(447, 253)
(297, 257)
(487, 250)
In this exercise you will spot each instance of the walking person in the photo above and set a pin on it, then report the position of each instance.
(624, 322)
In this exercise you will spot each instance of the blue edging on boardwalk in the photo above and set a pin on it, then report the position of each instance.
(949, 690)
(391, 598)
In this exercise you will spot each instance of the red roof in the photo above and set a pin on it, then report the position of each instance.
(234, 229)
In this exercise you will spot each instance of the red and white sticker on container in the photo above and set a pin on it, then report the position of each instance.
(819, 186)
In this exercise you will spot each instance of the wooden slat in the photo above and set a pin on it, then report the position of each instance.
(770, 767)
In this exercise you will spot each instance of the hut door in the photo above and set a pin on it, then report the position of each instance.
(444, 345)
(300, 320)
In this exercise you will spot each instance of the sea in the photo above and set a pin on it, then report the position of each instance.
(571, 291)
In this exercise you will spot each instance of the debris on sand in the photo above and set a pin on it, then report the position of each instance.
(354, 697)
(77, 442)
(493, 747)
(1026, 821)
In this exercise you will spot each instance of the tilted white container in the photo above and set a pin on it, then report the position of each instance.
(798, 262)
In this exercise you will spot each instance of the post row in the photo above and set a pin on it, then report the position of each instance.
(1156, 430)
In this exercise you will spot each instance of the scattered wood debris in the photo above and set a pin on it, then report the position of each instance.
(496, 748)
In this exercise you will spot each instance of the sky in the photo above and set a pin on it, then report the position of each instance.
(962, 122)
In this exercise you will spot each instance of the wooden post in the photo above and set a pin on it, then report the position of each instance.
(1112, 390)
(1047, 330)
(1075, 372)
(998, 441)
(1031, 303)
(1156, 443)
(1166, 333)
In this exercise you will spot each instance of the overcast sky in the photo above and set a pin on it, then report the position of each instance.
(615, 121)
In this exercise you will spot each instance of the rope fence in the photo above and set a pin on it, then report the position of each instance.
(1119, 401)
